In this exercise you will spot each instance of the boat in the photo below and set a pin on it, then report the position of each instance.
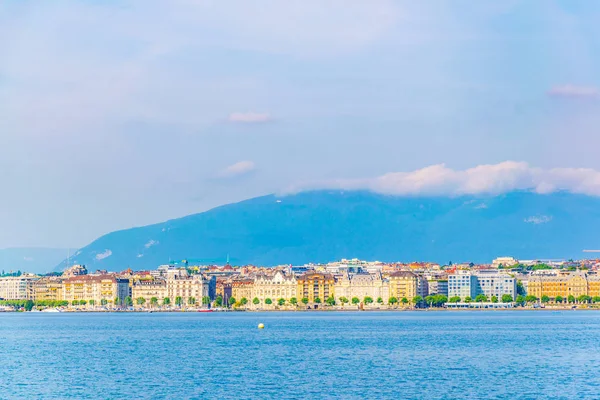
(205, 310)
(51, 310)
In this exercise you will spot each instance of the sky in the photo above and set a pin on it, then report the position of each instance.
(125, 113)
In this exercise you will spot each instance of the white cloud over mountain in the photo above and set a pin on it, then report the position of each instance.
(238, 169)
(490, 179)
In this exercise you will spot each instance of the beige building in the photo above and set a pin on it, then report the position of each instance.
(564, 285)
(315, 285)
(361, 286)
(403, 284)
(279, 286)
(148, 289)
(241, 288)
(48, 288)
(17, 287)
(99, 288)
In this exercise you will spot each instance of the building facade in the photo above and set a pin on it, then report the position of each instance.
(278, 286)
(403, 284)
(362, 285)
(48, 288)
(102, 289)
(17, 287)
(491, 283)
(315, 285)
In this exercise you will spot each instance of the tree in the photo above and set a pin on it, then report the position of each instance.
(128, 301)
(480, 298)
(92, 302)
(318, 300)
(507, 298)
(294, 301)
(530, 298)
(454, 299)
(393, 300)
(82, 302)
(368, 300)
(255, 301)
(103, 302)
(571, 299)
(140, 301)
(417, 301)
(355, 300)
(559, 299)
(404, 301)
(154, 301)
(305, 300)
(468, 299)
(596, 299)
(520, 300)
(330, 301)
(205, 300)
(584, 298)
(75, 302)
(231, 300)
(166, 301)
(117, 301)
(191, 300)
(344, 300)
(219, 301)
(268, 301)
(429, 300)
(379, 300)
(494, 299)
(243, 301)
(281, 302)
(545, 299)
(520, 288)
(178, 301)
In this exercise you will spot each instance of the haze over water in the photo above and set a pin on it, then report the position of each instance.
(350, 355)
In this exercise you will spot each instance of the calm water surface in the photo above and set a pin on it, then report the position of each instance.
(349, 355)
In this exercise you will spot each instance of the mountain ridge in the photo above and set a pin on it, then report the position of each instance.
(325, 225)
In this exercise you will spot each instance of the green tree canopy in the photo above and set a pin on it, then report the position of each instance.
(355, 300)
(454, 299)
(530, 298)
(507, 298)
(166, 301)
(219, 301)
(404, 300)
(559, 299)
(392, 300)
(293, 301)
(520, 300)
(468, 299)
(140, 301)
(92, 302)
(305, 300)
(154, 301)
(281, 302)
(243, 301)
(205, 300)
(318, 300)
(255, 301)
(417, 301)
(231, 301)
(82, 302)
(268, 301)
(368, 300)
(571, 299)
(480, 298)
(545, 299)
(379, 300)
(191, 300)
(343, 300)
(494, 299)
(128, 301)
(330, 301)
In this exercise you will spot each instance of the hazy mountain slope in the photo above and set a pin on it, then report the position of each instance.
(30, 259)
(323, 225)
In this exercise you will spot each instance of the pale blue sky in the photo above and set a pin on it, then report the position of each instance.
(123, 113)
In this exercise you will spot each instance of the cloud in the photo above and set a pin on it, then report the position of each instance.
(574, 91)
(249, 117)
(538, 219)
(493, 179)
(102, 256)
(237, 169)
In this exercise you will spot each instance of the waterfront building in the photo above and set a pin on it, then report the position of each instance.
(313, 285)
(17, 287)
(564, 285)
(102, 289)
(403, 284)
(241, 288)
(180, 284)
(278, 286)
(362, 285)
(491, 283)
(148, 289)
(48, 288)
(437, 285)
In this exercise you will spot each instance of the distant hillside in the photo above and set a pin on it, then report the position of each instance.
(30, 259)
(322, 226)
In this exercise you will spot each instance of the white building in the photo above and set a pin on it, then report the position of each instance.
(465, 283)
(17, 287)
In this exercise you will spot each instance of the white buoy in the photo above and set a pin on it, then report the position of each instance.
(261, 326)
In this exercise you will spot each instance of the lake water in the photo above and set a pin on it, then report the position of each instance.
(303, 355)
